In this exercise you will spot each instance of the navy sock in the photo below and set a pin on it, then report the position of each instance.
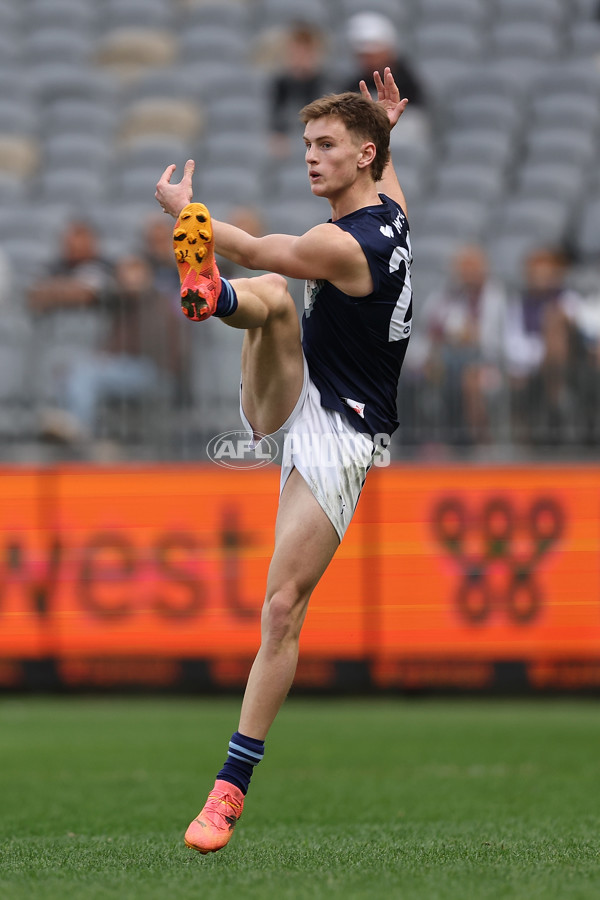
(227, 302)
(244, 754)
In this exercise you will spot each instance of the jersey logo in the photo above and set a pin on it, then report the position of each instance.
(399, 222)
(356, 405)
(387, 231)
(311, 291)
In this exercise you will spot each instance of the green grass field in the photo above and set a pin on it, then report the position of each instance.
(355, 799)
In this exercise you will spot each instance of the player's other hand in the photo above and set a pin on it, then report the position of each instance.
(388, 95)
(173, 197)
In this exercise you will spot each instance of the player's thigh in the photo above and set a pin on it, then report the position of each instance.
(272, 358)
(305, 541)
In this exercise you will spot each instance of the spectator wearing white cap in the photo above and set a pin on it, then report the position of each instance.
(374, 41)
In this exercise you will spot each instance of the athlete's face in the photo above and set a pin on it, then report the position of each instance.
(333, 156)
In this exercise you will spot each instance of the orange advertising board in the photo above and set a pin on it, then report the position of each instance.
(448, 577)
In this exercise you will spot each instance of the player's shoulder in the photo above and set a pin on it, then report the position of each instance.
(328, 235)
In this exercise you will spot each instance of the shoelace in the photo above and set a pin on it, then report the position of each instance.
(213, 814)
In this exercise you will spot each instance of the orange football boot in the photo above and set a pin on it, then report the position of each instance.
(213, 827)
(193, 244)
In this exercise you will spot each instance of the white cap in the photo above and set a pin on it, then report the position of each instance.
(370, 29)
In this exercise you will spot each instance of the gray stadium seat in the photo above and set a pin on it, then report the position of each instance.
(215, 43)
(17, 83)
(240, 114)
(16, 346)
(83, 151)
(471, 12)
(483, 146)
(576, 75)
(463, 218)
(81, 187)
(10, 49)
(551, 12)
(17, 117)
(58, 80)
(435, 250)
(282, 12)
(230, 14)
(529, 40)
(292, 182)
(205, 82)
(56, 44)
(556, 181)
(119, 225)
(295, 218)
(507, 253)
(468, 181)
(534, 217)
(155, 151)
(135, 183)
(492, 77)
(70, 15)
(398, 13)
(484, 109)
(584, 9)
(587, 231)
(232, 184)
(28, 257)
(446, 41)
(570, 109)
(584, 39)
(10, 16)
(227, 148)
(73, 115)
(127, 52)
(137, 13)
(21, 224)
(442, 76)
(13, 189)
(559, 144)
(161, 116)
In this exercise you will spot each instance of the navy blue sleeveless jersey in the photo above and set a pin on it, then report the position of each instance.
(355, 346)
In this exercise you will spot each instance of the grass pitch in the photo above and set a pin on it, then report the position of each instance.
(420, 800)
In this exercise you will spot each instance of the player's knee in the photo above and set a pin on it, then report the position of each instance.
(284, 614)
(277, 294)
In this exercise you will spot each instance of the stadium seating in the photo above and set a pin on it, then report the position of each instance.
(95, 105)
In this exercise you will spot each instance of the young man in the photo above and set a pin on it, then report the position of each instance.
(339, 380)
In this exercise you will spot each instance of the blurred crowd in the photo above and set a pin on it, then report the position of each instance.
(499, 363)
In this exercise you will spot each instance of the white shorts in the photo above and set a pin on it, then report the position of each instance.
(332, 457)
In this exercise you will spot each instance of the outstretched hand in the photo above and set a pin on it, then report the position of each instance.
(388, 95)
(173, 197)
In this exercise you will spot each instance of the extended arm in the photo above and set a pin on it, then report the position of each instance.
(388, 96)
(324, 252)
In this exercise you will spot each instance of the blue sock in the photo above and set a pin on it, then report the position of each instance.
(227, 302)
(244, 754)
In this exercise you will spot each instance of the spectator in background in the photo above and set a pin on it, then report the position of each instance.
(300, 79)
(80, 276)
(541, 350)
(585, 282)
(157, 249)
(374, 41)
(463, 327)
(139, 358)
(68, 301)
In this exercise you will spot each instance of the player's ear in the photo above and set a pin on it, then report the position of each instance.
(367, 154)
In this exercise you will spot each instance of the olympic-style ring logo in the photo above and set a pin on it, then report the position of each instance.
(497, 539)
